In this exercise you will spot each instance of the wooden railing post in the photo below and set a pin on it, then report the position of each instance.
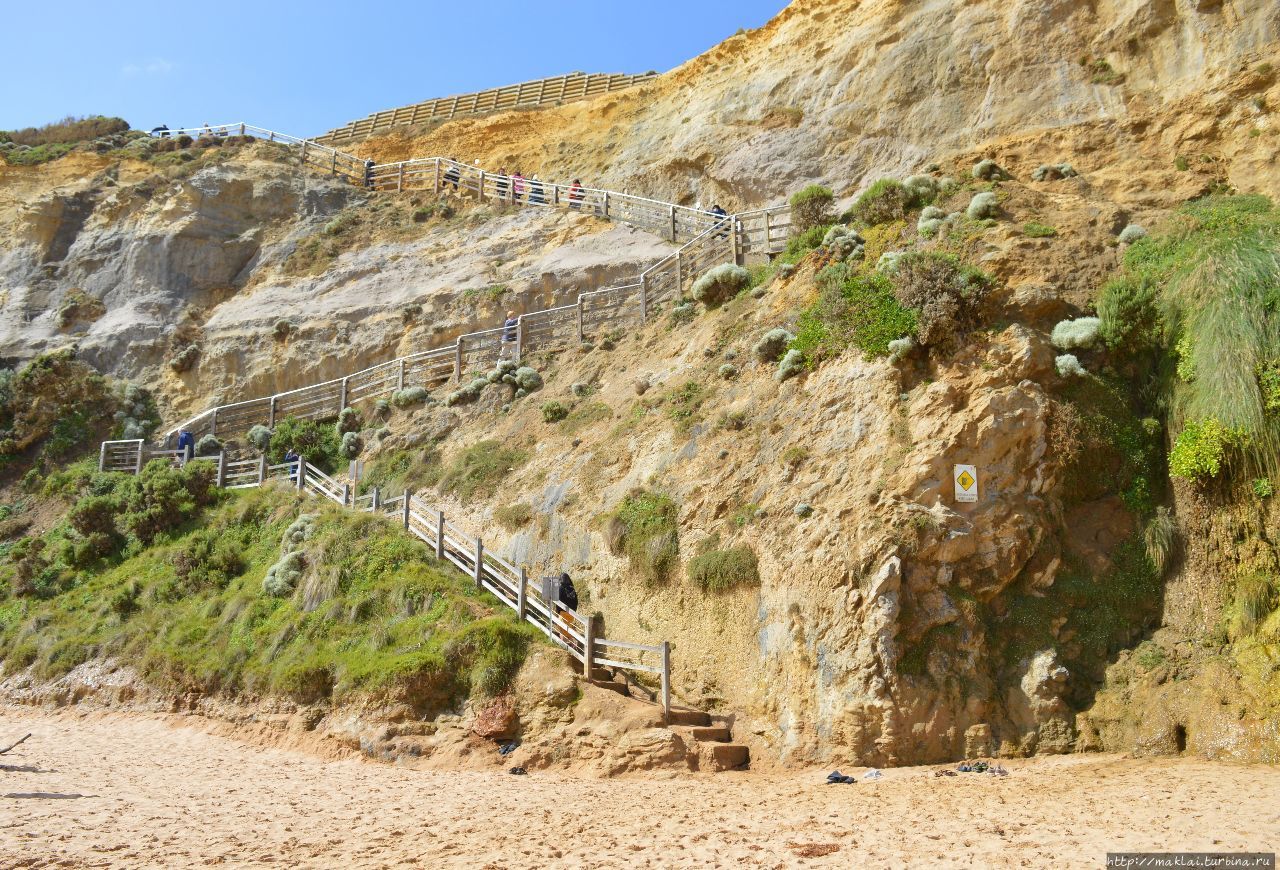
(213, 422)
(644, 296)
(439, 534)
(222, 469)
(479, 573)
(404, 512)
(138, 461)
(376, 501)
(606, 205)
(302, 473)
(457, 362)
(519, 337)
(262, 469)
(303, 157)
(522, 595)
(271, 415)
(666, 681)
(581, 336)
(480, 187)
(765, 241)
(333, 165)
(435, 185)
(400, 377)
(342, 401)
(400, 177)
(673, 224)
(102, 456)
(737, 241)
(346, 495)
(588, 651)
(242, 129)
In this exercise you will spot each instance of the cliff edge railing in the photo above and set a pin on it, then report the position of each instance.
(527, 95)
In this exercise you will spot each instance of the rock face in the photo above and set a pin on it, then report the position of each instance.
(845, 91)
(209, 261)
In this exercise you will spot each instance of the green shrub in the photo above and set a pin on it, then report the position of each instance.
(792, 364)
(69, 130)
(1262, 487)
(479, 469)
(772, 345)
(349, 420)
(1253, 601)
(1082, 332)
(989, 170)
(57, 404)
(1201, 449)
(554, 412)
(858, 311)
(1035, 230)
(409, 396)
(644, 528)
(810, 207)
(721, 570)
(314, 442)
(884, 201)
(719, 284)
(844, 243)
(351, 446)
(259, 437)
(983, 206)
(513, 516)
(1068, 366)
(1128, 316)
(1160, 539)
(208, 445)
(920, 190)
(947, 296)
(1131, 234)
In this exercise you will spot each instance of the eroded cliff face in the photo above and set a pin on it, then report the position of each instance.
(846, 90)
(135, 266)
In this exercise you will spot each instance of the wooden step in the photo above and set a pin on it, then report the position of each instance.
(711, 733)
(716, 757)
(689, 717)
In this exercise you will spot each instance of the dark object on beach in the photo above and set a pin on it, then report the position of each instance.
(838, 778)
(518, 771)
(14, 745)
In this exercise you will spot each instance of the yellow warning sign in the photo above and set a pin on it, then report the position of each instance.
(966, 477)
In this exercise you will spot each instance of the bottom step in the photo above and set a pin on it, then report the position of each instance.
(722, 756)
(689, 717)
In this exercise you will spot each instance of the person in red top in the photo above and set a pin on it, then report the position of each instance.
(575, 194)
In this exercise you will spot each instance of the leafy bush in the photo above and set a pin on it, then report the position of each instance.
(259, 437)
(513, 516)
(1128, 316)
(719, 284)
(314, 442)
(352, 445)
(1132, 233)
(527, 380)
(930, 221)
(409, 396)
(1201, 449)
(989, 170)
(882, 202)
(983, 205)
(208, 445)
(920, 190)
(799, 245)
(720, 570)
(1082, 332)
(852, 310)
(947, 295)
(1253, 601)
(185, 359)
(843, 243)
(554, 412)
(772, 345)
(69, 130)
(479, 469)
(899, 348)
(58, 404)
(728, 371)
(349, 420)
(810, 207)
(1068, 366)
(1262, 487)
(644, 528)
(792, 364)
(1053, 171)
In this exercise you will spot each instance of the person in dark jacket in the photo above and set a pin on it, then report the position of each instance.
(721, 224)
(291, 457)
(510, 335)
(186, 444)
(568, 595)
(368, 173)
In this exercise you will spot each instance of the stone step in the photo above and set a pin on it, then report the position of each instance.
(711, 733)
(689, 717)
(620, 688)
(716, 757)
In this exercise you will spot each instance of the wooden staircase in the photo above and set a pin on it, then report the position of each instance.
(709, 738)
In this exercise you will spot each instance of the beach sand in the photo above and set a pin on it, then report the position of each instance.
(135, 790)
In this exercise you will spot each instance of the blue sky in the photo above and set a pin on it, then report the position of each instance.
(305, 68)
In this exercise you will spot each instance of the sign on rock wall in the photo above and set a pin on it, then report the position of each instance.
(966, 477)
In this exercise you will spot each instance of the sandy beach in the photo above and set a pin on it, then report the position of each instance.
(132, 790)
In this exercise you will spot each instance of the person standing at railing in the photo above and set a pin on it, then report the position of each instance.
(501, 184)
(575, 195)
(162, 131)
(723, 222)
(368, 173)
(186, 444)
(510, 334)
(291, 458)
(451, 175)
(517, 186)
(536, 196)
